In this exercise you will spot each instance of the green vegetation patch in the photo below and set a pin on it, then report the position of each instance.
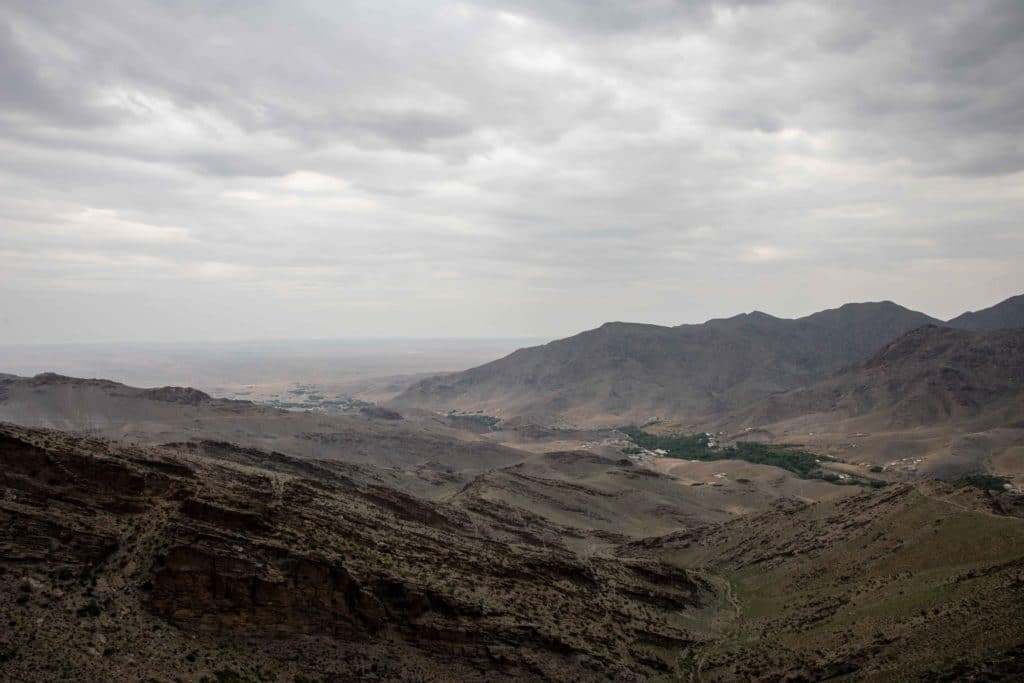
(803, 464)
(986, 482)
(683, 446)
(488, 421)
(341, 404)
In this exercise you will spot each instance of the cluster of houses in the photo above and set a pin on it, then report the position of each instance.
(903, 465)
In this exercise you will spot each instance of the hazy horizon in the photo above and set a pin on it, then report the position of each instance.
(213, 364)
(218, 366)
(267, 343)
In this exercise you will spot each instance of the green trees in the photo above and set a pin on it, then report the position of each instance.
(802, 463)
(986, 482)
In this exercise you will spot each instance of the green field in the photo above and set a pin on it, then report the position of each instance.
(803, 464)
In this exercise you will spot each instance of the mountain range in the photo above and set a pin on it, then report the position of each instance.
(628, 372)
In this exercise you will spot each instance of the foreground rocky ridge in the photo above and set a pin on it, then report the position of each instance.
(195, 559)
(206, 560)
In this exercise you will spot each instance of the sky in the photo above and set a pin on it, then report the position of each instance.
(257, 170)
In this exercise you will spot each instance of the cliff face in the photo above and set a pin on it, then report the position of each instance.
(209, 589)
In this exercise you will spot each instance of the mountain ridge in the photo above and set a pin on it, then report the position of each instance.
(626, 370)
(1007, 314)
(928, 375)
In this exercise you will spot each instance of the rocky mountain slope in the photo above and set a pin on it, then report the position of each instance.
(937, 402)
(154, 563)
(208, 561)
(930, 375)
(626, 372)
(911, 583)
(1005, 315)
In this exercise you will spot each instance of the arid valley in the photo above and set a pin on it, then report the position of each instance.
(861, 516)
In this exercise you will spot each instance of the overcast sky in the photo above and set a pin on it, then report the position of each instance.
(226, 170)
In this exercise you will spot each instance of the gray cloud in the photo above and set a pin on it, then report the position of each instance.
(490, 168)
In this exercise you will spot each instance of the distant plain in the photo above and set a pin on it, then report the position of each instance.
(372, 369)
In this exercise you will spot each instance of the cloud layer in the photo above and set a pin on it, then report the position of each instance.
(252, 170)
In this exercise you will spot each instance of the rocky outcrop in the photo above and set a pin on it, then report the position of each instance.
(230, 592)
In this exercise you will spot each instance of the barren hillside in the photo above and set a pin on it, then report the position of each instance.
(233, 564)
(1005, 315)
(628, 372)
